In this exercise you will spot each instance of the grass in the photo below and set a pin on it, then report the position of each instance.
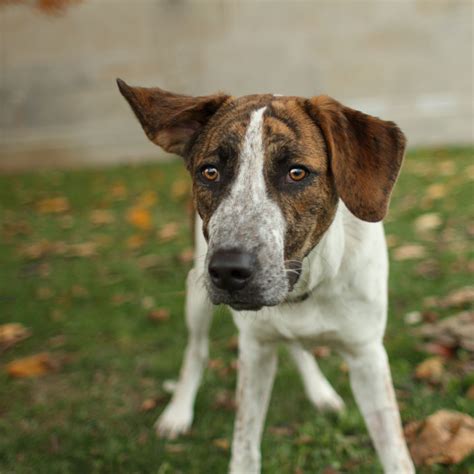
(90, 313)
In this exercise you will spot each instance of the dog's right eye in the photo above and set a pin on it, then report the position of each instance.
(210, 173)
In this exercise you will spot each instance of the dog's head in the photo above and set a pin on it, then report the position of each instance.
(268, 172)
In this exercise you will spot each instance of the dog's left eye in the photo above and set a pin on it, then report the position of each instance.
(210, 173)
(297, 173)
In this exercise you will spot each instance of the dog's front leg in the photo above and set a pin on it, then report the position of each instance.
(178, 415)
(372, 386)
(257, 366)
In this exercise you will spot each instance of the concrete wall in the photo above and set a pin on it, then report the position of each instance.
(406, 60)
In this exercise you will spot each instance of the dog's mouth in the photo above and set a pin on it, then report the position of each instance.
(244, 306)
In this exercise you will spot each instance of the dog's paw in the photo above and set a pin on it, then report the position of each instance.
(173, 422)
(328, 401)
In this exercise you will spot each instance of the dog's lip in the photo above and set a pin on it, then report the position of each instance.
(245, 306)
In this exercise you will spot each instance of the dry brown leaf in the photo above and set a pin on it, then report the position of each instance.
(180, 189)
(221, 443)
(470, 393)
(147, 199)
(413, 317)
(83, 249)
(409, 252)
(159, 315)
(281, 430)
(459, 297)
(32, 366)
(11, 334)
(43, 248)
(445, 437)
(430, 370)
(187, 255)
(78, 291)
(149, 261)
(304, 439)
(455, 331)
(148, 404)
(436, 191)
(225, 400)
(118, 191)
(427, 222)
(135, 241)
(57, 205)
(168, 231)
(391, 240)
(175, 448)
(100, 217)
(44, 293)
(321, 352)
(140, 218)
(148, 302)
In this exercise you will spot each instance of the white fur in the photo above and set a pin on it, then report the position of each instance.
(346, 276)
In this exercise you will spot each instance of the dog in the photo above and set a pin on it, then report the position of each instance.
(290, 194)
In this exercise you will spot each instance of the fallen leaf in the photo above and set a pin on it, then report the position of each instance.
(168, 231)
(215, 364)
(221, 443)
(147, 199)
(430, 370)
(413, 317)
(321, 352)
(175, 448)
(148, 302)
(180, 189)
(225, 400)
(55, 205)
(148, 404)
(391, 240)
(459, 297)
(140, 218)
(66, 222)
(445, 437)
(11, 334)
(31, 366)
(428, 268)
(187, 255)
(409, 252)
(120, 299)
(44, 293)
(135, 241)
(43, 248)
(427, 222)
(83, 250)
(281, 430)
(470, 393)
(159, 315)
(149, 261)
(118, 191)
(447, 168)
(304, 440)
(78, 291)
(101, 217)
(233, 344)
(455, 331)
(436, 191)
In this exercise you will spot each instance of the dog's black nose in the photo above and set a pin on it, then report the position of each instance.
(231, 269)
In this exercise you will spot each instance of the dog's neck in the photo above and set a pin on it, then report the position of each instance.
(324, 260)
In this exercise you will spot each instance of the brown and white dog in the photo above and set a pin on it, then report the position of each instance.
(289, 193)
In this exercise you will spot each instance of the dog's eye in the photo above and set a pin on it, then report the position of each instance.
(297, 173)
(210, 173)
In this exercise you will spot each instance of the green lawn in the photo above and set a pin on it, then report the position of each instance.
(90, 312)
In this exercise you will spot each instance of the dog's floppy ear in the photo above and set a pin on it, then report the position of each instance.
(170, 120)
(365, 155)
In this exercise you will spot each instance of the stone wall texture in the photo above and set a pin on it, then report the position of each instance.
(405, 60)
